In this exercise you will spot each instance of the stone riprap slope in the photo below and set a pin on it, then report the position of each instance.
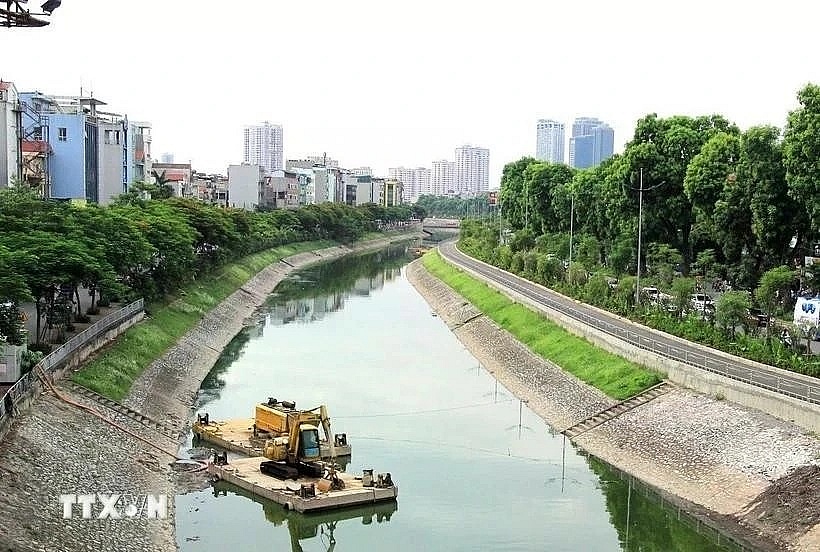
(714, 455)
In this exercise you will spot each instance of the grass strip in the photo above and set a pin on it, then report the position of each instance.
(615, 376)
(113, 371)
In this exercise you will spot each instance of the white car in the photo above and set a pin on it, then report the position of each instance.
(702, 302)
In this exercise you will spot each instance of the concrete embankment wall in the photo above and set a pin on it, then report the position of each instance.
(802, 413)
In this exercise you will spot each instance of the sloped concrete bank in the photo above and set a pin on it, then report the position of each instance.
(57, 449)
(749, 474)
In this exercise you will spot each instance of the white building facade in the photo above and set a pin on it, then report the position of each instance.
(9, 135)
(549, 142)
(442, 178)
(244, 185)
(415, 182)
(472, 170)
(264, 146)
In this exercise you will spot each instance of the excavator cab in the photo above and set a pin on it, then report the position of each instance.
(309, 443)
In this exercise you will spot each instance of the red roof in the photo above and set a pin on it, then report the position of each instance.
(35, 146)
(175, 176)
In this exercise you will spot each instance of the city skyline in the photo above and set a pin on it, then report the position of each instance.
(472, 100)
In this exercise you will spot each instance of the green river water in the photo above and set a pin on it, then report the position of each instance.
(476, 469)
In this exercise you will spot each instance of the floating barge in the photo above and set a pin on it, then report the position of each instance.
(245, 473)
(237, 436)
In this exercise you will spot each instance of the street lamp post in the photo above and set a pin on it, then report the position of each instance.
(640, 225)
(571, 220)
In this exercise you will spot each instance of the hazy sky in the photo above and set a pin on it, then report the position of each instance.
(384, 84)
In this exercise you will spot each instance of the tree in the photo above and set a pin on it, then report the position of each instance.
(732, 310)
(773, 287)
(706, 177)
(682, 289)
(664, 148)
(801, 150)
(775, 215)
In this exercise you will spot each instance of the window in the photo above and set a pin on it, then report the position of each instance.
(62, 134)
(37, 133)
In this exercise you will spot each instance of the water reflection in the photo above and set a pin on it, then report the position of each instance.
(321, 526)
(646, 522)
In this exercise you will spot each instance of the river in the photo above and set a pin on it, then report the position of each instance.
(476, 469)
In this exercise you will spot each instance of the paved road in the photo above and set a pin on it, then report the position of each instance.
(780, 381)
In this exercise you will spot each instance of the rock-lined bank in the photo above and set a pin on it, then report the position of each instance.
(730, 465)
(55, 448)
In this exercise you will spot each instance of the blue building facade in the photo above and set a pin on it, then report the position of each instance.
(592, 142)
(93, 155)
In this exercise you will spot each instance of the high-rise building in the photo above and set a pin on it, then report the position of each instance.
(592, 142)
(264, 146)
(442, 178)
(472, 175)
(415, 182)
(549, 142)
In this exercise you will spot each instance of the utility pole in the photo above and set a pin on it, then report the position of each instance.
(640, 225)
(571, 219)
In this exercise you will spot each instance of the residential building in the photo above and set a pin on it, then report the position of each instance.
(359, 190)
(10, 152)
(177, 175)
(73, 150)
(112, 153)
(210, 188)
(306, 180)
(592, 142)
(264, 146)
(362, 171)
(549, 143)
(70, 126)
(244, 183)
(415, 182)
(442, 178)
(390, 193)
(472, 170)
(139, 162)
(280, 191)
(324, 161)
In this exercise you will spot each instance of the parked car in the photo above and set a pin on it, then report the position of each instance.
(702, 302)
(651, 294)
(758, 318)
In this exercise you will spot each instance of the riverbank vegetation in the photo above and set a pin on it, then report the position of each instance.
(613, 375)
(719, 209)
(113, 371)
(135, 247)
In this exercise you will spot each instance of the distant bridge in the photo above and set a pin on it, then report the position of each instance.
(437, 223)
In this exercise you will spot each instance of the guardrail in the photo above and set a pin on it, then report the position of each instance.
(58, 356)
(736, 370)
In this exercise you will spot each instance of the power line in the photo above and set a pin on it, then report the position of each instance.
(432, 411)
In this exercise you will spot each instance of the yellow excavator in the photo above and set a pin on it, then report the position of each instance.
(294, 447)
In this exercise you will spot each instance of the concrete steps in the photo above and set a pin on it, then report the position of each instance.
(120, 408)
(617, 409)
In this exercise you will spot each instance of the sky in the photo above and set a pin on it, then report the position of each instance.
(387, 84)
